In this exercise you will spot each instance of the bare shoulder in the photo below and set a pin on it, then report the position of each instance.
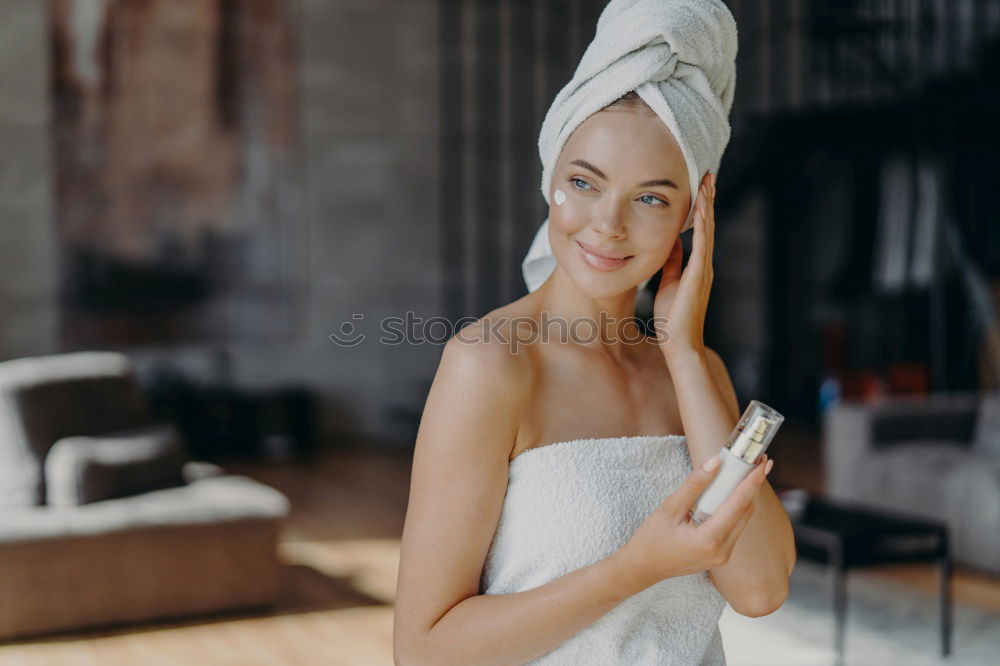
(504, 336)
(489, 348)
(475, 400)
(483, 380)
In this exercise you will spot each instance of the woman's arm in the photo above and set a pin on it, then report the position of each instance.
(755, 580)
(518, 627)
(457, 490)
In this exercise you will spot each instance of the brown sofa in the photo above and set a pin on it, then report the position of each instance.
(103, 518)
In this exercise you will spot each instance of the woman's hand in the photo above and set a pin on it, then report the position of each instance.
(681, 301)
(668, 543)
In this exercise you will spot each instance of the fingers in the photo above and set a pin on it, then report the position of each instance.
(711, 217)
(703, 242)
(708, 223)
(698, 239)
(682, 499)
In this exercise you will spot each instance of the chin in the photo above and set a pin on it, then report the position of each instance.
(597, 284)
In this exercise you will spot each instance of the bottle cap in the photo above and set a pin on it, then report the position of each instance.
(754, 432)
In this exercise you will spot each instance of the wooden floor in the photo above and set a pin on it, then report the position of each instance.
(341, 548)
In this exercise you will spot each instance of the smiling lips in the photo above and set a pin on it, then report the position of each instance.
(602, 259)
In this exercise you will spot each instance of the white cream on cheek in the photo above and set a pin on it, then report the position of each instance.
(560, 197)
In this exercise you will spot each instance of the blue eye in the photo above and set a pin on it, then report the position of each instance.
(650, 196)
(655, 203)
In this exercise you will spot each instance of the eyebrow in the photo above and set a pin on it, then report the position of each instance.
(649, 183)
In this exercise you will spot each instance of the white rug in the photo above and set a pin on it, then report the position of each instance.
(887, 623)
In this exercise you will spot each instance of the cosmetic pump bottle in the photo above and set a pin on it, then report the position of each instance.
(748, 440)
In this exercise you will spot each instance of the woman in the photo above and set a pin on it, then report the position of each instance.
(556, 464)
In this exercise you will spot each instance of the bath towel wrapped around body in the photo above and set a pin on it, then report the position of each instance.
(572, 503)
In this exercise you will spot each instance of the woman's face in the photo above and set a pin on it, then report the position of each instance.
(620, 188)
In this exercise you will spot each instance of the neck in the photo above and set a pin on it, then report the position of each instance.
(601, 323)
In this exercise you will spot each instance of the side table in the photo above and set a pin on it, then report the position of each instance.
(846, 535)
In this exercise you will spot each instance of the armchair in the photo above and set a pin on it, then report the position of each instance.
(104, 520)
(936, 456)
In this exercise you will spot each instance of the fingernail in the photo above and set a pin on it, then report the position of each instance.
(711, 463)
(767, 468)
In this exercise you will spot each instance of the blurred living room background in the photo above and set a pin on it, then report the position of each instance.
(211, 208)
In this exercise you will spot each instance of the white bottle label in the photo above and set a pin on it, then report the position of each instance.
(730, 472)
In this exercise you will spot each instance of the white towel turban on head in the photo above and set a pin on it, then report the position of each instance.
(679, 56)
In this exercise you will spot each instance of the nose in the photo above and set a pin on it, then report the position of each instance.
(609, 220)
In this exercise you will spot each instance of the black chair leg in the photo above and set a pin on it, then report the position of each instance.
(839, 603)
(944, 577)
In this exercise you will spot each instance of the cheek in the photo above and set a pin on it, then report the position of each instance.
(656, 241)
(569, 216)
